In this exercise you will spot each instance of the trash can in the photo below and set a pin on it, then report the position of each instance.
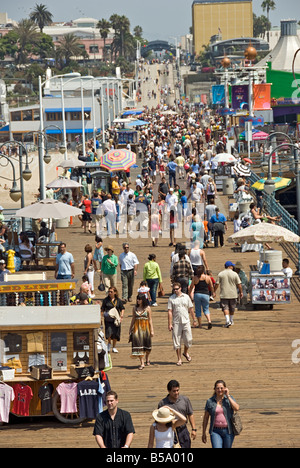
(62, 223)
(228, 186)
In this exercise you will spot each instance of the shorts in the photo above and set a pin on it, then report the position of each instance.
(182, 332)
(228, 305)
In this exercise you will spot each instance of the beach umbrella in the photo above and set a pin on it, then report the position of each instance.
(48, 208)
(137, 123)
(242, 170)
(224, 158)
(71, 164)
(247, 160)
(118, 160)
(63, 182)
(264, 232)
(280, 183)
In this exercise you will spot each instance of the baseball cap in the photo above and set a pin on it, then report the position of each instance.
(229, 264)
(2, 261)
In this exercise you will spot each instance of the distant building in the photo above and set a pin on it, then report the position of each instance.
(228, 18)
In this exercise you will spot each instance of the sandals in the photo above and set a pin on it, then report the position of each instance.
(141, 367)
(187, 357)
(179, 363)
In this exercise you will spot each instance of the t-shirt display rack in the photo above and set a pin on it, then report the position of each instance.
(46, 349)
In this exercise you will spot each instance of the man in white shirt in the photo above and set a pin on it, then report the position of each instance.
(171, 200)
(179, 308)
(128, 265)
(286, 268)
(110, 213)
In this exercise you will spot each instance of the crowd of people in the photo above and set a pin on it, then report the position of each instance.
(175, 193)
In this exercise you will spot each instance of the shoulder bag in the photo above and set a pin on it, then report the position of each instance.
(237, 425)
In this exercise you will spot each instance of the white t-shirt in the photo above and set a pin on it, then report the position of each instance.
(288, 272)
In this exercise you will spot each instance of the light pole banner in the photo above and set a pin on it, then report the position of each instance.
(218, 94)
(240, 96)
(262, 96)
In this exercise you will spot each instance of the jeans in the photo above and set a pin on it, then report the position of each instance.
(153, 284)
(220, 438)
(172, 176)
(201, 302)
(64, 277)
(127, 278)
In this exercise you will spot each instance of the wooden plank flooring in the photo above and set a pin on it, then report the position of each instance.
(254, 357)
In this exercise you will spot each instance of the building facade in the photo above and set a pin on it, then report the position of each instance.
(227, 18)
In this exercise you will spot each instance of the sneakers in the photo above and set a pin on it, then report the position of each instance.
(114, 350)
(154, 305)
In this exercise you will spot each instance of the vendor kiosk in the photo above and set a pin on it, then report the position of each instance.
(47, 346)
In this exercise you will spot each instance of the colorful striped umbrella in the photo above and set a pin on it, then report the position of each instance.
(118, 160)
(280, 183)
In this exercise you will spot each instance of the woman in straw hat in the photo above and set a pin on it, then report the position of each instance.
(162, 430)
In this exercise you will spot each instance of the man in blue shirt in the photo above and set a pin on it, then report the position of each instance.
(64, 268)
(172, 171)
(219, 226)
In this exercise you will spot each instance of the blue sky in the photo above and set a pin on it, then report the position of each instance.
(160, 19)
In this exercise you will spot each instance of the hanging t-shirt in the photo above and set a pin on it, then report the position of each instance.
(45, 395)
(23, 397)
(68, 397)
(7, 395)
(88, 398)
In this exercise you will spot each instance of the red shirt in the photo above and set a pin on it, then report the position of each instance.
(88, 205)
(23, 396)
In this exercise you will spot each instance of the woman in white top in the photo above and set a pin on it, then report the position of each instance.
(162, 431)
(197, 257)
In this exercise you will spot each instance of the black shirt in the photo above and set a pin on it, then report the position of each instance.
(114, 432)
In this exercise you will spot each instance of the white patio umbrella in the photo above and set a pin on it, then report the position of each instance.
(63, 182)
(242, 170)
(71, 164)
(224, 158)
(48, 209)
(264, 233)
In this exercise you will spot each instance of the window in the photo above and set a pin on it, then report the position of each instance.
(16, 116)
(75, 115)
(94, 49)
(53, 116)
(27, 114)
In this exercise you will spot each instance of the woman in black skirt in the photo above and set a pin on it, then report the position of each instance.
(112, 332)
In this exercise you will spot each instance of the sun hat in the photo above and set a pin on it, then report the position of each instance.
(163, 415)
(239, 266)
(109, 247)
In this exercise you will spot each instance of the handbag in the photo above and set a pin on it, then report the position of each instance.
(237, 425)
(177, 445)
(161, 293)
(101, 286)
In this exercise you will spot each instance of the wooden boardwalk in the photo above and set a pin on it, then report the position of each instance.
(254, 357)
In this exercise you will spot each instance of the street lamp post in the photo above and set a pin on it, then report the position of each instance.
(270, 184)
(25, 174)
(14, 193)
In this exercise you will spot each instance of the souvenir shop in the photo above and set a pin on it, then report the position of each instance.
(53, 358)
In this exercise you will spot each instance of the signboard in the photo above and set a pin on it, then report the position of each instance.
(240, 96)
(270, 289)
(262, 96)
(6, 288)
(218, 94)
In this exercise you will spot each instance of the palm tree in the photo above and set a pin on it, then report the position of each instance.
(121, 25)
(69, 46)
(27, 37)
(268, 5)
(104, 27)
(41, 16)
